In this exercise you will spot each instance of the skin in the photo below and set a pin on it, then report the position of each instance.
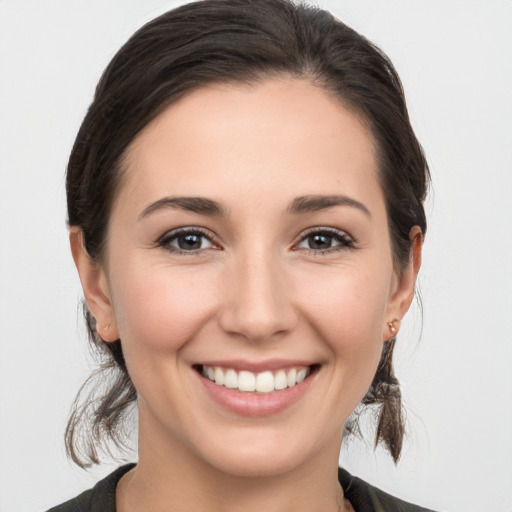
(254, 291)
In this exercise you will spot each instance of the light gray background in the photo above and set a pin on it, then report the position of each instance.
(455, 59)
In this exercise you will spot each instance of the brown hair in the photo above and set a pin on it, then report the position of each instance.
(241, 41)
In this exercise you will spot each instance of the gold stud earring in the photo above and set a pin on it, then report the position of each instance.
(392, 327)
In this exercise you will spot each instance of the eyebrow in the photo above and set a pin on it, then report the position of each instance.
(192, 204)
(205, 206)
(316, 203)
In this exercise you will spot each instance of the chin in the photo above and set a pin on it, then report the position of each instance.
(261, 453)
(257, 464)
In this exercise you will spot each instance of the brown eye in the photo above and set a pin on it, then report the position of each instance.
(186, 240)
(325, 241)
(319, 242)
(189, 242)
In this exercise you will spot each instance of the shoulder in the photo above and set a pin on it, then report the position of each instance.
(367, 498)
(82, 503)
(363, 496)
(101, 498)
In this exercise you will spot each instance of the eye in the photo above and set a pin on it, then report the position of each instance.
(325, 241)
(186, 240)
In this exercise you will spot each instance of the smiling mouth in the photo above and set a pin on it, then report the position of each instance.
(263, 382)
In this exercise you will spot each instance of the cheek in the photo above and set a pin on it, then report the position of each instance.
(160, 310)
(349, 312)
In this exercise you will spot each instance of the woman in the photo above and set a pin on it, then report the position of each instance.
(245, 209)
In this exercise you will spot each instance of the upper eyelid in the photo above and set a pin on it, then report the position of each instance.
(324, 229)
(175, 233)
(187, 229)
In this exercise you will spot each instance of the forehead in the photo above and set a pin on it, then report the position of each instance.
(230, 139)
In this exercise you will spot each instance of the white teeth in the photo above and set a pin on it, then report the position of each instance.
(290, 379)
(264, 382)
(301, 375)
(230, 379)
(246, 381)
(219, 376)
(280, 381)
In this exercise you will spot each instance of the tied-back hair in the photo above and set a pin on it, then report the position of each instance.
(232, 41)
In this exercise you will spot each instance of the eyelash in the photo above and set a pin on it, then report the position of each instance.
(171, 236)
(345, 241)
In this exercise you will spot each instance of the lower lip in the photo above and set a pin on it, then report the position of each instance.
(256, 404)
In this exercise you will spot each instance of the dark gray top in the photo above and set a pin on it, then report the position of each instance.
(363, 496)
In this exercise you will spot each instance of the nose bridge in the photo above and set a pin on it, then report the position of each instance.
(259, 305)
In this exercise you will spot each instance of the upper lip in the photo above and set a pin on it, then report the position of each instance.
(257, 366)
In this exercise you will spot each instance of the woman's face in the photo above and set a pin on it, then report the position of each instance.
(249, 248)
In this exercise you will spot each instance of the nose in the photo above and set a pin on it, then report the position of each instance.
(258, 302)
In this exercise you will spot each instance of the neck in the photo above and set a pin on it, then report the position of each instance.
(169, 476)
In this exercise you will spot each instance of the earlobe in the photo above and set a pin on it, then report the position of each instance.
(404, 293)
(95, 287)
(394, 326)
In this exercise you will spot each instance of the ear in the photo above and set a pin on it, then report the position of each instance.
(95, 287)
(403, 291)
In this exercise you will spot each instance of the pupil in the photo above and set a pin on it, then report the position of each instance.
(189, 242)
(320, 241)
